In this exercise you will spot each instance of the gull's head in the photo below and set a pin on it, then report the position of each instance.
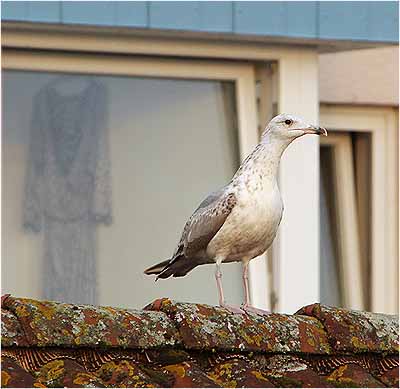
(286, 127)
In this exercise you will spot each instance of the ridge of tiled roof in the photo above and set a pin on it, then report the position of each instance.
(356, 331)
(171, 344)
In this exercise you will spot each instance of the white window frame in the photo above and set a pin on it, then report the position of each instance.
(382, 124)
(296, 250)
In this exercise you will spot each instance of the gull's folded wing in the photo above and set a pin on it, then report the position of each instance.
(205, 222)
(199, 230)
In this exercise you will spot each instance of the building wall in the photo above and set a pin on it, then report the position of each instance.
(369, 76)
(359, 20)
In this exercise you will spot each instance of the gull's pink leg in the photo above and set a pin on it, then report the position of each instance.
(221, 299)
(218, 277)
(245, 276)
(246, 306)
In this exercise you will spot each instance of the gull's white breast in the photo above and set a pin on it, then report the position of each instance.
(252, 225)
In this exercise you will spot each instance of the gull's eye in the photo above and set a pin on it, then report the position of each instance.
(288, 122)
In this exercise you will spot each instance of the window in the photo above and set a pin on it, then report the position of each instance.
(168, 123)
(342, 282)
(367, 140)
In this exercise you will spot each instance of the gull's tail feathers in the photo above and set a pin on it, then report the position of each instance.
(158, 268)
(176, 267)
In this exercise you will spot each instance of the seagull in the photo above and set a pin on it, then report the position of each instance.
(239, 222)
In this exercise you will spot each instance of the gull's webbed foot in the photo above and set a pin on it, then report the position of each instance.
(257, 311)
(232, 309)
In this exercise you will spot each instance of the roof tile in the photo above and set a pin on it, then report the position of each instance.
(351, 376)
(356, 331)
(238, 373)
(11, 331)
(291, 371)
(14, 376)
(48, 344)
(47, 323)
(64, 373)
(205, 327)
(390, 377)
(125, 374)
(189, 374)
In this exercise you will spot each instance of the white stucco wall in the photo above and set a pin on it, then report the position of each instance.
(369, 76)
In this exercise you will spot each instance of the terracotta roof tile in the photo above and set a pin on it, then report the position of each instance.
(353, 376)
(67, 373)
(292, 371)
(11, 331)
(206, 327)
(14, 376)
(390, 377)
(356, 331)
(47, 323)
(170, 344)
(189, 374)
(237, 372)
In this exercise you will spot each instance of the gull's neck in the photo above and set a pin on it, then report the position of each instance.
(263, 161)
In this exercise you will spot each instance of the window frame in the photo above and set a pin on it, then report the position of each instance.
(382, 124)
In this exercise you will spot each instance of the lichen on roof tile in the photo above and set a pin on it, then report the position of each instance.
(66, 373)
(189, 375)
(47, 323)
(291, 371)
(206, 327)
(356, 331)
(125, 374)
(352, 375)
(386, 329)
(11, 331)
(239, 373)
